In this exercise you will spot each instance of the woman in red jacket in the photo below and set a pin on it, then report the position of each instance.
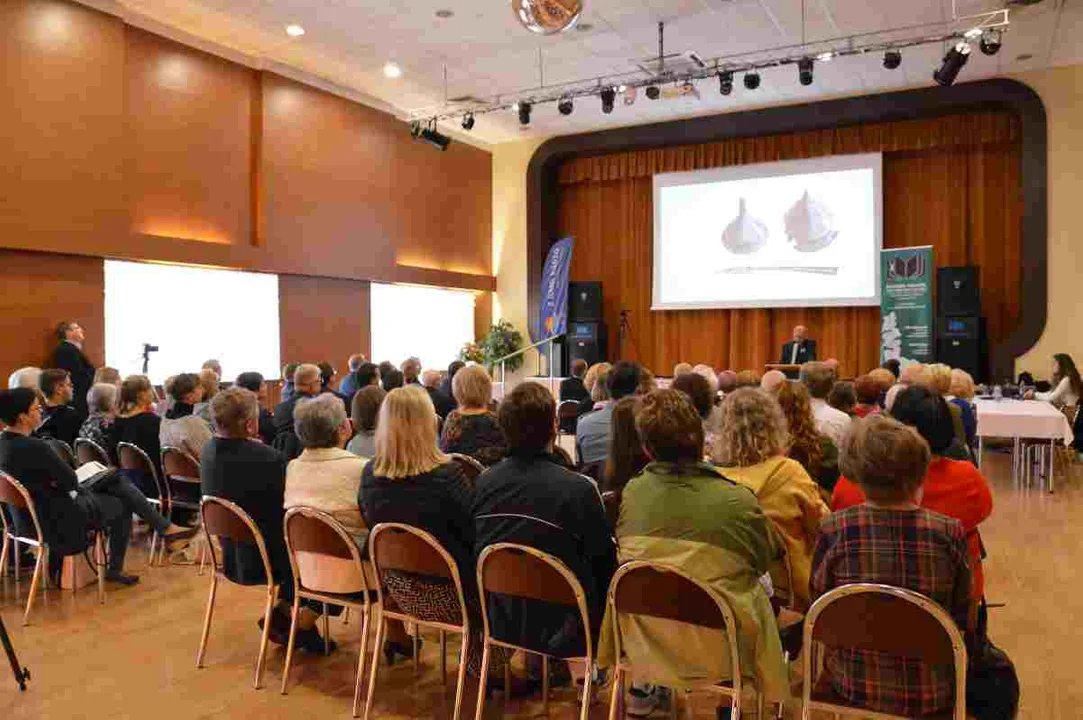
(954, 488)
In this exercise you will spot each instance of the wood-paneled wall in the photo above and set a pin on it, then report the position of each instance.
(950, 182)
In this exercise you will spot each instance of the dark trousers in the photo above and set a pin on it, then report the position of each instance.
(112, 509)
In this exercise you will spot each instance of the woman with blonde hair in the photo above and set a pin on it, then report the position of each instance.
(751, 450)
(208, 380)
(411, 481)
(472, 428)
(816, 452)
(937, 380)
(590, 381)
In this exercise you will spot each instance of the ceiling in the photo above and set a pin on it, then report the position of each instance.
(486, 52)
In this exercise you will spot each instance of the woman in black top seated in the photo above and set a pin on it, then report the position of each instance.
(410, 481)
(137, 423)
(65, 510)
(472, 429)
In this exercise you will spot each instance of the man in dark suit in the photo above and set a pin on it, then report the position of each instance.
(800, 350)
(572, 388)
(69, 356)
(307, 382)
(444, 404)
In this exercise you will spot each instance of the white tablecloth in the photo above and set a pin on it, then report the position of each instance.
(1022, 419)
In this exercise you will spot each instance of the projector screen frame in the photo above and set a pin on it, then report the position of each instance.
(781, 168)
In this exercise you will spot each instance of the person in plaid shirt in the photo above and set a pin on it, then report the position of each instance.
(892, 541)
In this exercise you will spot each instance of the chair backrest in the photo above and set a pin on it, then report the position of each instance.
(15, 494)
(471, 467)
(132, 457)
(176, 463)
(568, 410)
(63, 451)
(226, 519)
(87, 450)
(407, 549)
(663, 591)
(526, 572)
(323, 555)
(595, 471)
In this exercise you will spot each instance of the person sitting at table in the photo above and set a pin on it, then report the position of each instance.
(961, 394)
(1067, 386)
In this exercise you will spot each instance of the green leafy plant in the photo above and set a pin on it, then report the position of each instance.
(502, 340)
(472, 352)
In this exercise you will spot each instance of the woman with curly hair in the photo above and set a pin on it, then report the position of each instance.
(808, 446)
(751, 450)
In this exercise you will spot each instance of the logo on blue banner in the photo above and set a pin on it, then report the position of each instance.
(553, 310)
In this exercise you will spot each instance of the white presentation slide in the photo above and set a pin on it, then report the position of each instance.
(800, 233)
(192, 315)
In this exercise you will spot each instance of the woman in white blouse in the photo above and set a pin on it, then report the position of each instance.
(1067, 386)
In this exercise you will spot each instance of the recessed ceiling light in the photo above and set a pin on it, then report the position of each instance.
(392, 70)
(295, 30)
(825, 57)
(444, 13)
(584, 27)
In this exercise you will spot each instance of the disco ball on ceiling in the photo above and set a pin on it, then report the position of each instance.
(547, 17)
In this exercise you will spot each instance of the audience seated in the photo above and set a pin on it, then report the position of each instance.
(62, 420)
(681, 368)
(751, 450)
(867, 393)
(253, 382)
(884, 380)
(914, 374)
(212, 365)
(109, 375)
(66, 511)
(727, 382)
(449, 377)
(647, 382)
(444, 404)
(888, 539)
(327, 380)
(819, 378)
(843, 398)
(715, 418)
(937, 379)
(410, 481)
(411, 371)
(529, 499)
(572, 388)
(698, 390)
(288, 389)
(808, 446)
(306, 384)
(180, 428)
(208, 380)
(961, 394)
(102, 403)
(27, 377)
(625, 458)
(590, 381)
(138, 424)
(364, 411)
(472, 428)
(893, 367)
(349, 385)
(953, 488)
(680, 510)
(772, 380)
(592, 433)
(392, 379)
(748, 379)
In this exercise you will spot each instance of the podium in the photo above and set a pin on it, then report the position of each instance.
(790, 371)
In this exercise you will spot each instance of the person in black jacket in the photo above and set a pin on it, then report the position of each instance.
(444, 404)
(572, 388)
(253, 382)
(62, 421)
(307, 380)
(239, 468)
(69, 356)
(65, 510)
(529, 499)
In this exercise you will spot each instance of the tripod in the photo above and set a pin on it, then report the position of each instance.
(21, 674)
(624, 332)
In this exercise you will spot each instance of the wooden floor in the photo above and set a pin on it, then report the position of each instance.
(135, 657)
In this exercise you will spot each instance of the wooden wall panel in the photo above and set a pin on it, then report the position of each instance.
(61, 129)
(189, 123)
(323, 319)
(41, 291)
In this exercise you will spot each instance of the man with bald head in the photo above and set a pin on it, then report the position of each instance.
(800, 350)
(772, 380)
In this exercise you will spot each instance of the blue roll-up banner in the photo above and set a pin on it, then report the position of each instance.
(553, 310)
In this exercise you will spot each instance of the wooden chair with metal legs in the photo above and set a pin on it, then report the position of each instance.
(63, 451)
(17, 499)
(883, 619)
(663, 591)
(182, 474)
(470, 467)
(404, 549)
(567, 414)
(327, 567)
(87, 450)
(525, 572)
(225, 519)
(132, 457)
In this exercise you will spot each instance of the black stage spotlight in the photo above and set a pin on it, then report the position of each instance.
(653, 92)
(468, 121)
(608, 96)
(752, 80)
(892, 59)
(524, 112)
(565, 106)
(725, 82)
(990, 41)
(953, 62)
(434, 137)
(804, 71)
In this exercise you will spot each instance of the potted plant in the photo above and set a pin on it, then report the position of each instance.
(502, 340)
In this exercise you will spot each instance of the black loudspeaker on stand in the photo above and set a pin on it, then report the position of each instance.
(587, 338)
(960, 328)
(21, 673)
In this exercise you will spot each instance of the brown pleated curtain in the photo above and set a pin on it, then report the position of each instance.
(951, 182)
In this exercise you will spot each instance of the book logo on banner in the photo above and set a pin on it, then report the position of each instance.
(553, 310)
(906, 305)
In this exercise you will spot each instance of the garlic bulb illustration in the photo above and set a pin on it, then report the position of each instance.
(810, 224)
(745, 234)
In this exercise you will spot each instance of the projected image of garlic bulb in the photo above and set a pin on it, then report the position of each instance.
(745, 234)
(810, 224)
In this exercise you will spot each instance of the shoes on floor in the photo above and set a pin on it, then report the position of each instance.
(122, 579)
(392, 650)
(279, 633)
(311, 642)
(644, 699)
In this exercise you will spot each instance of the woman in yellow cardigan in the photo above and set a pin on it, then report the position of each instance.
(751, 450)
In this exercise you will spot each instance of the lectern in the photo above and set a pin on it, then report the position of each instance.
(790, 371)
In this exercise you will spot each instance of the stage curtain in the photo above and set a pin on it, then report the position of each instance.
(951, 182)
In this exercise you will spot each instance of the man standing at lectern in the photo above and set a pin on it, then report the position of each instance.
(800, 350)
